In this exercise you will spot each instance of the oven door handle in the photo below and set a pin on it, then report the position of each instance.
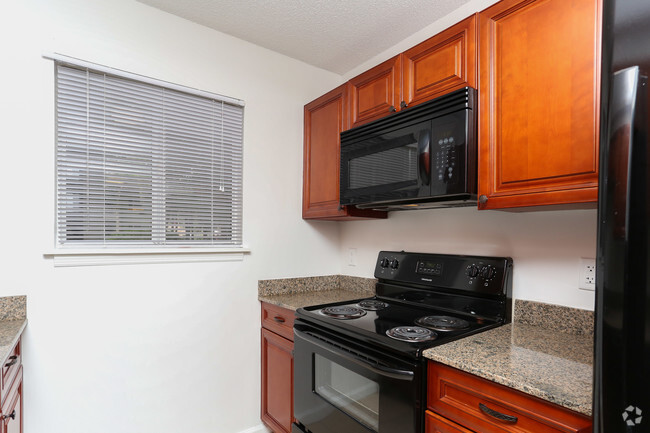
(393, 373)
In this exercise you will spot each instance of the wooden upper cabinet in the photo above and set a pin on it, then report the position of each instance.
(539, 98)
(441, 64)
(375, 93)
(325, 118)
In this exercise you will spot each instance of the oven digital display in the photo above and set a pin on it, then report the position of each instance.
(429, 268)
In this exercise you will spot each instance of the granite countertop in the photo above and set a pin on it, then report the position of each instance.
(13, 320)
(552, 365)
(293, 301)
(294, 293)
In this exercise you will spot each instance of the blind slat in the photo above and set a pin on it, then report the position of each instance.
(143, 165)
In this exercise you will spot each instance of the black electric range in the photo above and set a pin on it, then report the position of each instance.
(357, 359)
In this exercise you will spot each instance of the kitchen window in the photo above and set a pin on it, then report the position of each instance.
(142, 165)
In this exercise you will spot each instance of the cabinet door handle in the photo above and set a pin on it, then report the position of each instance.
(12, 416)
(498, 415)
(279, 319)
(403, 105)
(483, 199)
(392, 109)
(13, 360)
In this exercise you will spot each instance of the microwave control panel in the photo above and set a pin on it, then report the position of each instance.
(450, 135)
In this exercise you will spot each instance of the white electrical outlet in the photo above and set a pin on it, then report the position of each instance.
(587, 274)
(352, 257)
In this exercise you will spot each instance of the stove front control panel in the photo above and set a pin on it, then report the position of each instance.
(471, 273)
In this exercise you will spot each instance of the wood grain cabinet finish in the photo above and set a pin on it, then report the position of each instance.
(482, 406)
(539, 102)
(12, 408)
(325, 118)
(434, 423)
(277, 369)
(376, 93)
(441, 64)
(11, 392)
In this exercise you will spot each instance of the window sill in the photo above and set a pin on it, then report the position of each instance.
(103, 257)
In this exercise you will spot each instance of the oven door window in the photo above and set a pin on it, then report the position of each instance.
(348, 391)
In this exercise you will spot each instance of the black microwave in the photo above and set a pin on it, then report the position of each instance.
(422, 157)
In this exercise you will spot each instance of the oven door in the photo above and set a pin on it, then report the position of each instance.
(341, 386)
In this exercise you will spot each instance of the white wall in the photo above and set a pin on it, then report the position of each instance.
(149, 348)
(545, 246)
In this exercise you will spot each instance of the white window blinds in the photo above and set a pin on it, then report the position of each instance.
(145, 166)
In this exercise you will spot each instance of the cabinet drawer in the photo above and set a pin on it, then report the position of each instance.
(10, 369)
(278, 320)
(437, 424)
(488, 407)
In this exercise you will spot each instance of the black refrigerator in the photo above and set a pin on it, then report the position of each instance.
(622, 334)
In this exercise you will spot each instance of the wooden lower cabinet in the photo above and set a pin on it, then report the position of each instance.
(12, 409)
(461, 402)
(277, 373)
(11, 392)
(434, 423)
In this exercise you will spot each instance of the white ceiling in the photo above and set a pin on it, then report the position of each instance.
(335, 35)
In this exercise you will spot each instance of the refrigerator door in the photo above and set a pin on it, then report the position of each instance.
(622, 349)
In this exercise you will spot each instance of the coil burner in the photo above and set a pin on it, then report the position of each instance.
(442, 323)
(372, 305)
(412, 334)
(343, 312)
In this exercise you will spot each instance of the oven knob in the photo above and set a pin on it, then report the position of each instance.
(487, 272)
(472, 271)
(394, 264)
(384, 263)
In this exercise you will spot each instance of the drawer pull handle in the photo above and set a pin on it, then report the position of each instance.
(498, 415)
(279, 319)
(12, 416)
(14, 359)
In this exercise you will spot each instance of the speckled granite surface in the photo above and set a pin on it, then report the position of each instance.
(555, 317)
(294, 293)
(293, 301)
(13, 308)
(13, 319)
(283, 286)
(534, 355)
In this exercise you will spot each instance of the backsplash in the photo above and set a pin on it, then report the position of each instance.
(285, 286)
(13, 308)
(554, 317)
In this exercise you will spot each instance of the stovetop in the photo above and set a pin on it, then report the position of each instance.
(474, 291)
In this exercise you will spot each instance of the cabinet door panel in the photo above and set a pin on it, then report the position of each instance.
(441, 64)
(539, 102)
(373, 93)
(325, 118)
(277, 381)
(12, 409)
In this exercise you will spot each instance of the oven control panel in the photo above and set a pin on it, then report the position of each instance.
(478, 274)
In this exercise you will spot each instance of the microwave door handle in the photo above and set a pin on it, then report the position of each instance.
(424, 158)
(393, 373)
